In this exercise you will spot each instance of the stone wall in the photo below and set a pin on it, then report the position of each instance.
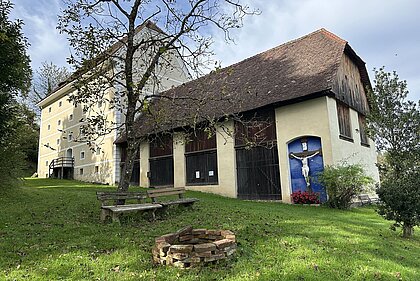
(191, 247)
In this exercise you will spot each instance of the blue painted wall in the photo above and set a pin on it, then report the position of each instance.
(316, 165)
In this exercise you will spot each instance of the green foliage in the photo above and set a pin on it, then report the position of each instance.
(18, 143)
(18, 131)
(400, 197)
(342, 183)
(394, 123)
(50, 230)
(15, 71)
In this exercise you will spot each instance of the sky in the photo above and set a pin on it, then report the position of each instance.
(382, 32)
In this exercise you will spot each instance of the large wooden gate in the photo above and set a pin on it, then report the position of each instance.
(258, 174)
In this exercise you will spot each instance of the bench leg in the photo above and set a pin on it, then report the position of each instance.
(115, 217)
(104, 215)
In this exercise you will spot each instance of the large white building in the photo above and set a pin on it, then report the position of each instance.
(306, 100)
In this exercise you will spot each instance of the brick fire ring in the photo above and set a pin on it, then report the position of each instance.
(190, 247)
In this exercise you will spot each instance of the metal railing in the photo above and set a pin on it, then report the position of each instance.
(62, 162)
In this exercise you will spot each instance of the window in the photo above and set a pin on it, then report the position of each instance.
(81, 171)
(46, 163)
(58, 141)
(71, 117)
(96, 169)
(362, 129)
(82, 155)
(98, 151)
(49, 127)
(100, 103)
(60, 104)
(344, 124)
(70, 137)
(161, 161)
(59, 122)
(201, 159)
(49, 109)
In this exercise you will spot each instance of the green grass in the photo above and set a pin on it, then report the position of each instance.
(50, 230)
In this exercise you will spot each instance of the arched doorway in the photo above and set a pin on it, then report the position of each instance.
(306, 161)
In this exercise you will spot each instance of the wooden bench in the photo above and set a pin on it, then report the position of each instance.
(114, 210)
(366, 200)
(155, 193)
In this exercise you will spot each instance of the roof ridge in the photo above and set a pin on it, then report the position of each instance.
(332, 35)
(321, 30)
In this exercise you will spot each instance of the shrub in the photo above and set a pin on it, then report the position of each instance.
(342, 183)
(305, 197)
(400, 200)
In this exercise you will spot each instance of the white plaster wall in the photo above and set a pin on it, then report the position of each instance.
(179, 160)
(351, 152)
(226, 164)
(144, 164)
(308, 118)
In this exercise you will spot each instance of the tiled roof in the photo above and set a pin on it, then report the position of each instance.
(294, 71)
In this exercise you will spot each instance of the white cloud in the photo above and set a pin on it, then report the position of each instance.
(381, 32)
(40, 28)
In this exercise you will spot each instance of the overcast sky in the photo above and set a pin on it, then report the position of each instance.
(382, 32)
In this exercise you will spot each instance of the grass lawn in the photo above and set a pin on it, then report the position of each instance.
(50, 230)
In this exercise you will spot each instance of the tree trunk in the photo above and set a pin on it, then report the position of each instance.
(408, 231)
(132, 152)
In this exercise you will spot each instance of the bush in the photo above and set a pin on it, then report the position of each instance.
(305, 197)
(342, 183)
(400, 200)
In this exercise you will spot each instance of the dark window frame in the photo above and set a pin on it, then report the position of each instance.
(344, 121)
(201, 152)
(257, 127)
(364, 140)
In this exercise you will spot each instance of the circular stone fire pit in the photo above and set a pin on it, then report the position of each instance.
(191, 247)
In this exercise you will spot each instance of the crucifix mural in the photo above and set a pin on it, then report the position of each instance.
(304, 157)
(305, 160)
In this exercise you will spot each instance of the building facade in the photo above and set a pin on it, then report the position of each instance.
(304, 105)
(278, 118)
(62, 151)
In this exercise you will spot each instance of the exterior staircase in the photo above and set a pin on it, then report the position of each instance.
(61, 168)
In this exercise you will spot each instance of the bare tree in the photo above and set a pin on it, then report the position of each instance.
(109, 56)
(46, 79)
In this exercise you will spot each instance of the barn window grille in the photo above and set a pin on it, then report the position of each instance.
(201, 158)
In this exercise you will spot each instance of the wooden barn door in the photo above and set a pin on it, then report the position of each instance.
(258, 174)
(161, 162)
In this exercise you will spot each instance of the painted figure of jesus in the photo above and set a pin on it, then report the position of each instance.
(305, 165)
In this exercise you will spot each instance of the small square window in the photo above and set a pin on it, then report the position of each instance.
(70, 137)
(60, 104)
(49, 109)
(81, 171)
(59, 122)
(100, 103)
(98, 151)
(82, 155)
(96, 169)
(71, 117)
(58, 141)
(48, 127)
(46, 163)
